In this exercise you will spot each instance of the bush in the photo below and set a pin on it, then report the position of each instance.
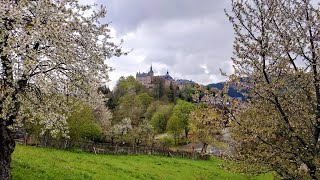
(205, 157)
(82, 124)
(183, 141)
(166, 142)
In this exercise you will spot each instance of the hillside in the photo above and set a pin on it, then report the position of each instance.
(232, 92)
(43, 163)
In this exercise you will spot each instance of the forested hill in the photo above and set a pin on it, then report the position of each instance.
(232, 92)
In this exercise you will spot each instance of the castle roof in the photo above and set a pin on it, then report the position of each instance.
(142, 74)
(167, 77)
(184, 81)
(150, 73)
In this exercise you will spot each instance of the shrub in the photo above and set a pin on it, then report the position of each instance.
(166, 141)
(82, 124)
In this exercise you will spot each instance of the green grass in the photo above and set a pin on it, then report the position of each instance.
(45, 163)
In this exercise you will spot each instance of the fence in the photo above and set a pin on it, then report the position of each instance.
(109, 148)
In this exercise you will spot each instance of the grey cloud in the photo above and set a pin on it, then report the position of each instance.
(126, 15)
(175, 35)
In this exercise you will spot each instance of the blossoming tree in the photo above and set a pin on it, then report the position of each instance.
(49, 50)
(277, 48)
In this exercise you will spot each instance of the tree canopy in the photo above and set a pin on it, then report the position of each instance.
(48, 51)
(277, 49)
(182, 111)
(206, 125)
(82, 124)
(160, 118)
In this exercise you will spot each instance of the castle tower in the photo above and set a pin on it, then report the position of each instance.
(151, 71)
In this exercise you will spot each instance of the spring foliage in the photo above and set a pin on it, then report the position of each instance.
(49, 50)
(276, 47)
(206, 125)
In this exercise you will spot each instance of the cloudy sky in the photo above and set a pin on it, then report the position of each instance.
(191, 39)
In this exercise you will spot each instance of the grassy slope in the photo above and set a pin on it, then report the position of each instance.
(44, 163)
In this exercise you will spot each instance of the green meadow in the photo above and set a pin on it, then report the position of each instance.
(46, 163)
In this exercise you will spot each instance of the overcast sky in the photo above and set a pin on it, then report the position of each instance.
(191, 39)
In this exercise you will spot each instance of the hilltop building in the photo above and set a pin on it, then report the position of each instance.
(148, 79)
(167, 79)
(182, 83)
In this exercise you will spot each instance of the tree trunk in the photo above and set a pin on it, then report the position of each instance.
(186, 133)
(7, 146)
(204, 148)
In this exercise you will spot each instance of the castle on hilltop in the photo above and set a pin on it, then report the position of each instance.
(148, 80)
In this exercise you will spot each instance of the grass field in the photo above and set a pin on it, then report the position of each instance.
(45, 163)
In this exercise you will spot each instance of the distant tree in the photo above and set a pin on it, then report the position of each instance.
(129, 84)
(202, 93)
(175, 127)
(145, 99)
(182, 111)
(143, 134)
(82, 125)
(186, 93)
(103, 116)
(160, 118)
(120, 131)
(206, 125)
(125, 86)
(152, 108)
(127, 108)
(159, 122)
(48, 48)
(132, 106)
(277, 47)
